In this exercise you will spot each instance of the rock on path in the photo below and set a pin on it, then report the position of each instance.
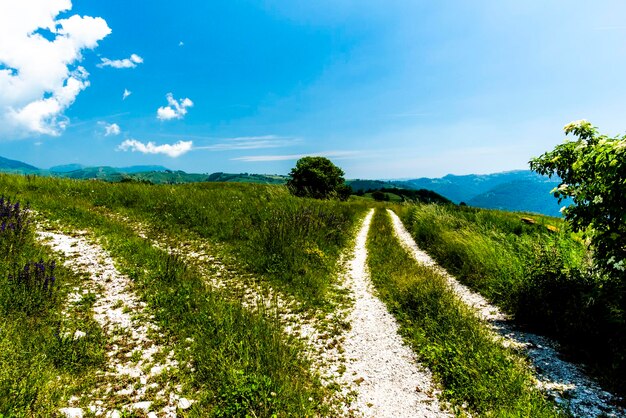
(562, 380)
(380, 368)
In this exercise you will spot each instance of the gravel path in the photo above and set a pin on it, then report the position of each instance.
(133, 376)
(562, 380)
(380, 368)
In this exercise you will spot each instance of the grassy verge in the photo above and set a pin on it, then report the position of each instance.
(244, 365)
(41, 362)
(293, 242)
(541, 277)
(474, 370)
(242, 362)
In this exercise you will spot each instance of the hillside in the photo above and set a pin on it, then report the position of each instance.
(14, 166)
(514, 190)
(520, 195)
(239, 299)
(521, 190)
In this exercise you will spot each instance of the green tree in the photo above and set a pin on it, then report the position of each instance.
(317, 177)
(592, 169)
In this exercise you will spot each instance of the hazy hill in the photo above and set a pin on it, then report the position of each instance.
(521, 190)
(463, 188)
(520, 195)
(364, 185)
(141, 169)
(66, 168)
(15, 166)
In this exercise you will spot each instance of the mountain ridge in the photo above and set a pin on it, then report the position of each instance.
(515, 190)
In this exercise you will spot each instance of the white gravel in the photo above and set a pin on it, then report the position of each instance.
(380, 368)
(564, 381)
(127, 326)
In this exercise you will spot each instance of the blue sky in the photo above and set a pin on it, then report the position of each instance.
(385, 89)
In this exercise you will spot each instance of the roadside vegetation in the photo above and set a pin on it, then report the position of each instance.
(539, 272)
(290, 241)
(243, 363)
(41, 358)
(477, 374)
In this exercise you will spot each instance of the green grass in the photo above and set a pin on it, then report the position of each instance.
(40, 361)
(291, 241)
(543, 278)
(473, 369)
(244, 364)
(240, 357)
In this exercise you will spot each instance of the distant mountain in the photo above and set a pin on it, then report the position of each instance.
(66, 168)
(521, 190)
(14, 166)
(248, 178)
(463, 188)
(359, 185)
(521, 195)
(141, 169)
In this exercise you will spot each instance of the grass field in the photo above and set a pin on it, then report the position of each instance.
(244, 364)
(539, 272)
(476, 372)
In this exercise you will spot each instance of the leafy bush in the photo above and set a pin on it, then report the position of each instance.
(592, 170)
(317, 177)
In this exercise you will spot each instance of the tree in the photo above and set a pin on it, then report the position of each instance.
(317, 177)
(592, 169)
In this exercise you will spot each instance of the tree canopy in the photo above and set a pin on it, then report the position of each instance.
(592, 169)
(319, 178)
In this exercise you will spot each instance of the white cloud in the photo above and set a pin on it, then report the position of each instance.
(112, 129)
(131, 62)
(340, 155)
(39, 75)
(126, 94)
(176, 109)
(181, 43)
(171, 150)
(252, 142)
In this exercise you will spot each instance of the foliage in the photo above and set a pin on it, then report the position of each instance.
(592, 169)
(315, 177)
(473, 368)
(535, 271)
(406, 195)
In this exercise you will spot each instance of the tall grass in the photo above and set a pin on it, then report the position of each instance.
(292, 241)
(541, 277)
(474, 369)
(39, 362)
(243, 364)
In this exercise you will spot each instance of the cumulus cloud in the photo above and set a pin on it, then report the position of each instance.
(112, 129)
(176, 109)
(39, 55)
(171, 150)
(131, 62)
(126, 94)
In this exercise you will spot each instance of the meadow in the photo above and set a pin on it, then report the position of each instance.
(244, 364)
(540, 273)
